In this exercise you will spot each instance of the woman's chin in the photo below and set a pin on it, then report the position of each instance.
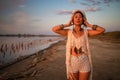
(78, 24)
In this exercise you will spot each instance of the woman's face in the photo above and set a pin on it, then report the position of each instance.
(78, 19)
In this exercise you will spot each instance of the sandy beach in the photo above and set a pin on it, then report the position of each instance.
(49, 64)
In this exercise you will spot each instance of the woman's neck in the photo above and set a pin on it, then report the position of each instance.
(77, 28)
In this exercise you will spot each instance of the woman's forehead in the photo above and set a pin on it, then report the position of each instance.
(78, 14)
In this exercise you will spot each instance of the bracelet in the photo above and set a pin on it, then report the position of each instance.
(62, 26)
(94, 27)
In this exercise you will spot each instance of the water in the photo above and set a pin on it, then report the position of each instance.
(13, 48)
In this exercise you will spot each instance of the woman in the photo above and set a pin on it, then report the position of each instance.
(78, 57)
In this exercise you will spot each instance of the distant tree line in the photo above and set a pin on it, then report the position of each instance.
(28, 35)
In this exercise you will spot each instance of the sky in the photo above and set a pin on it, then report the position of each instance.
(39, 16)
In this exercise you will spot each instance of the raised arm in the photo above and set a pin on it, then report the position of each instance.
(60, 29)
(96, 30)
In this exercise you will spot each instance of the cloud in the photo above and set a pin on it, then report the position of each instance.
(89, 9)
(108, 1)
(84, 3)
(99, 2)
(64, 12)
(22, 6)
(36, 20)
(16, 17)
(14, 22)
(96, 3)
(92, 9)
(72, 1)
(90, 2)
(11, 4)
(20, 18)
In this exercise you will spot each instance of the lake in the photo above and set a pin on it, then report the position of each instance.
(14, 48)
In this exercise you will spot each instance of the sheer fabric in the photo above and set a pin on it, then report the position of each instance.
(85, 45)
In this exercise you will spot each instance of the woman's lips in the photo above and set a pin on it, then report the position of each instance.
(77, 21)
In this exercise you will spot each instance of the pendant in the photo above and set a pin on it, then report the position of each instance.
(78, 51)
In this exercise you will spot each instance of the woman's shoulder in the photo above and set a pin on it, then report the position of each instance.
(69, 31)
(85, 30)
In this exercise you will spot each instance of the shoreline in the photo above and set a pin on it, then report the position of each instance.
(27, 56)
(50, 63)
(36, 58)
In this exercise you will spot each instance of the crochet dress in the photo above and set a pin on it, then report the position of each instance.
(85, 48)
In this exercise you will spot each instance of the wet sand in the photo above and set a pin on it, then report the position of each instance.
(49, 64)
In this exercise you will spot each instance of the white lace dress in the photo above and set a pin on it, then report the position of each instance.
(72, 41)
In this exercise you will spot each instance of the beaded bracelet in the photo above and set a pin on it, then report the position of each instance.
(62, 26)
(94, 27)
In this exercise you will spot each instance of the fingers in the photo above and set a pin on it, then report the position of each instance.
(85, 21)
(71, 20)
(70, 23)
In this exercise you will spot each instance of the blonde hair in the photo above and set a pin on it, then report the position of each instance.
(78, 11)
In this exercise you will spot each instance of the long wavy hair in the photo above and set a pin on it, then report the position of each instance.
(83, 16)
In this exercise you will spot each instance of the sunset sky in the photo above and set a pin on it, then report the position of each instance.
(38, 16)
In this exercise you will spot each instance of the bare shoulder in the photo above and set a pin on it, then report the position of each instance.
(67, 32)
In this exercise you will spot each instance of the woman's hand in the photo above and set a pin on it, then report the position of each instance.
(87, 24)
(70, 23)
(60, 29)
(95, 29)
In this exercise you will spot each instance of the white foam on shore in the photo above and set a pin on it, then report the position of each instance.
(39, 45)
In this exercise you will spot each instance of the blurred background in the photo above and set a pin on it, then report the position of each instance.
(38, 16)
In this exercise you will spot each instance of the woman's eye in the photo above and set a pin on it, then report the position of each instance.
(75, 17)
(78, 17)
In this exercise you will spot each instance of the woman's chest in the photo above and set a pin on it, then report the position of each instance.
(79, 40)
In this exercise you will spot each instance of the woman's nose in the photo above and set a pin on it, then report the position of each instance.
(78, 18)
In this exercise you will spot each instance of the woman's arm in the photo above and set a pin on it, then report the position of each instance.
(96, 30)
(60, 29)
